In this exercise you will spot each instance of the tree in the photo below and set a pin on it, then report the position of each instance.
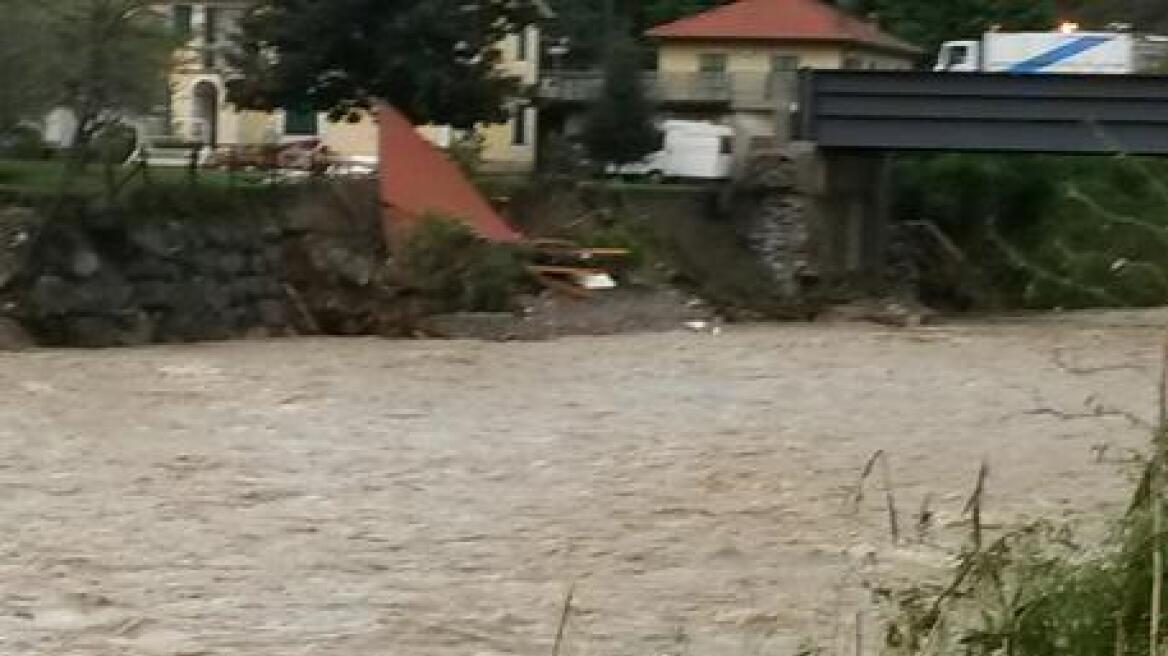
(105, 61)
(434, 60)
(23, 92)
(928, 23)
(619, 126)
(1143, 15)
(586, 23)
(655, 12)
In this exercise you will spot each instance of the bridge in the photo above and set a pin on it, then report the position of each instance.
(899, 111)
(844, 124)
(839, 127)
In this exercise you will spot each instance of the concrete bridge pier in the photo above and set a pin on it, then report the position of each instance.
(847, 197)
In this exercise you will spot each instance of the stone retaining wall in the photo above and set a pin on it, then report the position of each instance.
(99, 279)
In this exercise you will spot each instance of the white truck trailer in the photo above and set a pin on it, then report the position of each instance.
(1064, 51)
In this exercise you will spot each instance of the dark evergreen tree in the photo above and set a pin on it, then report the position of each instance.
(620, 125)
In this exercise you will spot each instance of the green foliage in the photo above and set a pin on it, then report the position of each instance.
(41, 178)
(620, 233)
(1143, 15)
(104, 60)
(114, 144)
(448, 264)
(927, 23)
(1034, 592)
(1047, 231)
(177, 199)
(25, 143)
(24, 93)
(662, 11)
(467, 152)
(435, 60)
(619, 127)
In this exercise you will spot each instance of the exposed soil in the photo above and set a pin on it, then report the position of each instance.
(364, 497)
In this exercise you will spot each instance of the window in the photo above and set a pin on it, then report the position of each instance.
(784, 63)
(712, 62)
(183, 18)
(853, 63)
(726, 146)
(300, 122)
(519, 127)
(521, 46)
(958, 56)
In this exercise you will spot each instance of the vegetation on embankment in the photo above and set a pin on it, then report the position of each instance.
(1032, 231)
(1038, 590)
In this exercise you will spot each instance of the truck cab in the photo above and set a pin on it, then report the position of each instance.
(959, 57)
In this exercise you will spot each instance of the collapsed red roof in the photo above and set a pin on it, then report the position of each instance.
(417, 179)
(781, 20)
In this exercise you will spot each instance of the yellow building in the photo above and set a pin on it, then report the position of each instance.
(746, 53)
(198, 110)
(734, 64)
(762, 37)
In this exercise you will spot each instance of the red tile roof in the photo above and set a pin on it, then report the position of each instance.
(781, 20)
(418, 179)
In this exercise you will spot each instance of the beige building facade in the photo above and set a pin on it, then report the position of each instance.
(198, 110)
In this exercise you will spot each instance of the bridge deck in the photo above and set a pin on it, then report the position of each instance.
(985, 112)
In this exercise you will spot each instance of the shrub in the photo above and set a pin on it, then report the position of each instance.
(1046, 231)
(24, 143)
(114, 144)
(467, 152)
(445, 262)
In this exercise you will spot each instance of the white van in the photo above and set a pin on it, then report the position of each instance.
(693, 150)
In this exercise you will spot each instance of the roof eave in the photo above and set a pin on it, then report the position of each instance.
(905, 48)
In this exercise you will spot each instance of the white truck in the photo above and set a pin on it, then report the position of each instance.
(693, 150)
(1064, 51)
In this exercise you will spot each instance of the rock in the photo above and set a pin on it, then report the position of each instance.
(781, 237)
(491, 326)
(92, 331)
(770, 171)
(17, 225)
(206, 263)
(256, 264)
(85, 264)
(137, 329)
(162, 240)
(273, 314)
(258, 333)
(49, 295)
(884, 312)
(105, 331)
(231, 263)
(155, 294)
(13, 336)
(153, 268)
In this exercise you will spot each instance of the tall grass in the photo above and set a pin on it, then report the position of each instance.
(1036, 591)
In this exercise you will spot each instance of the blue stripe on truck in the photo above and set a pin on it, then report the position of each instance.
(1065, 51)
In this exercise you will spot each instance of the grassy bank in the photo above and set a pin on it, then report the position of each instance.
(45, 176)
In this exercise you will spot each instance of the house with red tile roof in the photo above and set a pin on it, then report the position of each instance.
(732, 64)
(748, 50)
(769, 35)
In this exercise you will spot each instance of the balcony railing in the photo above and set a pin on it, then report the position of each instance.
(741, 90)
